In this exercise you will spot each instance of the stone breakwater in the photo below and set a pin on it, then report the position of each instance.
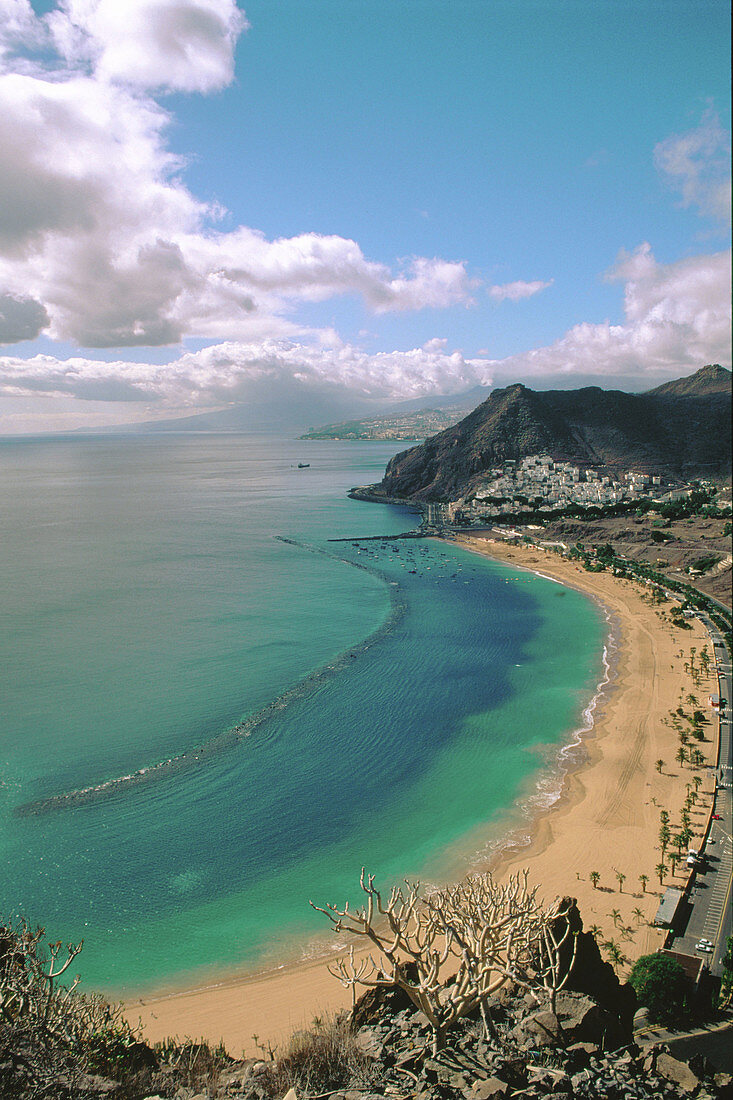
(196, 757)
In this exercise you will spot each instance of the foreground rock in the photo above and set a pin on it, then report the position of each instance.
(523, 1046)
(531, 1053)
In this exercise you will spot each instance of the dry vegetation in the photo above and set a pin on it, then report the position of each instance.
(671, 546)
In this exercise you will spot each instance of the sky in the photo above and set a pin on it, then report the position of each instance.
(370, 199)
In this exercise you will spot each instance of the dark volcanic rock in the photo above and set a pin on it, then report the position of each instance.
(681, 428)
(379, 1002)
(597, 978)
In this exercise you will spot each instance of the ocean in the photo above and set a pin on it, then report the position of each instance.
(211, 713)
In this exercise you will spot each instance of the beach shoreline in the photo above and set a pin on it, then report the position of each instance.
(604, 816)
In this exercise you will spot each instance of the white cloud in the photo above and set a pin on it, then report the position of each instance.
(697, 164)
(227, 372)
(677, 318)
(514, 292)
(186, 45)
(96, 223)
(19, 27)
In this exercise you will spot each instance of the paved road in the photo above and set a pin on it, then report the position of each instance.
(711, 916)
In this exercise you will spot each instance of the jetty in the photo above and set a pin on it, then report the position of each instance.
(418, 533)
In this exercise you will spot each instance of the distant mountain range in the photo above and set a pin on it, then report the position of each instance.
(296, 407)
(682, 428)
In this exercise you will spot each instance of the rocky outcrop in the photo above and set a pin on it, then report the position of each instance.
(592, 975)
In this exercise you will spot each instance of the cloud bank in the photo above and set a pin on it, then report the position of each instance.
(677, 318)
(96, 224)
(103, 244)
(227, 372)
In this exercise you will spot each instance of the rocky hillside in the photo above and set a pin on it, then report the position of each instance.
(518, 1047)
(680, 429)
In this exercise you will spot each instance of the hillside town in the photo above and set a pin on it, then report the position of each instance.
(541, 483)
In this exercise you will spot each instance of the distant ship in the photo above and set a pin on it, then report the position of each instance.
(303, 465)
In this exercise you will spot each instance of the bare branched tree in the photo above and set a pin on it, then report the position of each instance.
(558, 948)
(449, 950)
(29, 974)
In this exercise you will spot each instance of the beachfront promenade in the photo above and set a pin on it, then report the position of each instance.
(711, 889)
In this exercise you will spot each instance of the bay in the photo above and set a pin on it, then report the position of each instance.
(150, 606)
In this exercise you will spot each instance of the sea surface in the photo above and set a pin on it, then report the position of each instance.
(204, 726)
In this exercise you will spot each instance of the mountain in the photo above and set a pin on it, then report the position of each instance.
(295, 407)
(681, 429)
(708, 380)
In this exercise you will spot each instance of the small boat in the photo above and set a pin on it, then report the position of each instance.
(303, 465)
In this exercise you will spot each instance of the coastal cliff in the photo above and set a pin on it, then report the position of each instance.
(681, 428)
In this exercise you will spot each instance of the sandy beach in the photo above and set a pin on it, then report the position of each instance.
(606, 820)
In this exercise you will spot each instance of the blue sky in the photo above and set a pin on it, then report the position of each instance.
(389, 199)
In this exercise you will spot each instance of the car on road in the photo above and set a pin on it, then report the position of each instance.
(717, 817)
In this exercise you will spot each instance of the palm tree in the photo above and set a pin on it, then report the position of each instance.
(595, 878)
(681, 755)
(659, 765)
(664, 837)
(638, 914)
(614, 953)
(615, 916)
(627, 932)
(661, 870)
(621, 878)
(697, 781)
(664, 817)
(643, 879)
(595, 931)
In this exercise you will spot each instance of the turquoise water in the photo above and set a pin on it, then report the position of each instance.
(149, 607)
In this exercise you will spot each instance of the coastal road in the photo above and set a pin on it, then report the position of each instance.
(711, 916)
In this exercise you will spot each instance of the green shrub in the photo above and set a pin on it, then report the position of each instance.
(661, 986)
(705, 563)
